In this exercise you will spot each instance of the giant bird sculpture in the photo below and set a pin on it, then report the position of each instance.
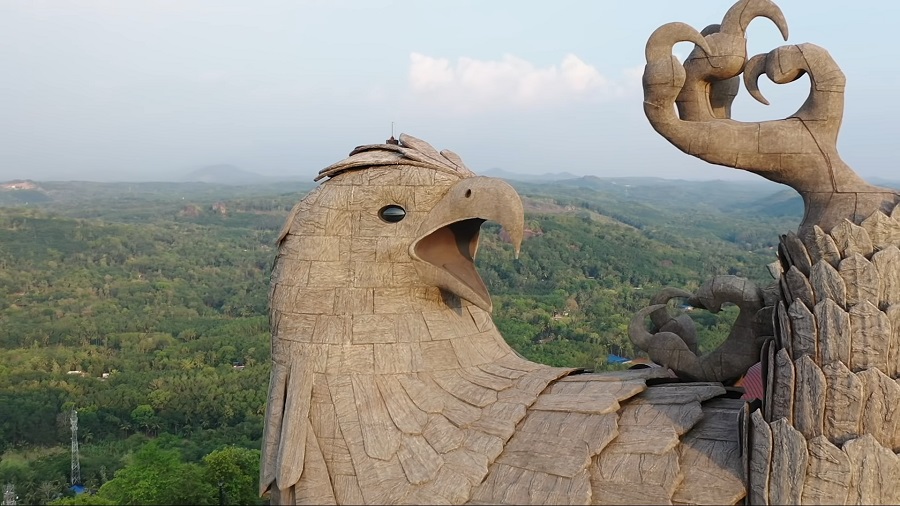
(391, 384)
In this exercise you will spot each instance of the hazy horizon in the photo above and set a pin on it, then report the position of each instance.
(99, 90)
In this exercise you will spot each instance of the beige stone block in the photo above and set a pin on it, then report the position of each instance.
(404, 274)
(417, 176)
(350, 178)
(373, 329)
(312, 301)
(322, 248)
(296, 327)
(442, 435)
(411, 328)
(443, 324)
(291, 299)
(308, 221)
(400, 358)
(322, 417)
(281, 351)
(362, 249)
(491, 345)
(281, 296)
(368, 224)
(334, 196)
(481, 318)
(785, 137)
(468, 351)
(392, 249)
(443, 178)
(699, 142)
(816, 179)
(433, 296)
(366, 199)
(329, 274)
(338, 222)
(467, 325)
(331, 329)
(358, 358)
(726, 158)
(339, 462)
(439, 355)
(393, 300)
(335, 361)
(344, 247)
(320, 392)
(353, 301)
(291, 271)
(373, 197)
(731, 138)
(290, 245)
(766, 162)
(371, 274)
(310, 355)
(384, 176)
(426, 197)
(408, 229)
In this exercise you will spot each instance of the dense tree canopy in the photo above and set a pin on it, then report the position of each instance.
(144, 307)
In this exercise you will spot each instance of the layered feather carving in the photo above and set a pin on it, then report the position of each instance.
(837, 369)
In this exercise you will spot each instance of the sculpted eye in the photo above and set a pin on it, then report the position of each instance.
(392, 213)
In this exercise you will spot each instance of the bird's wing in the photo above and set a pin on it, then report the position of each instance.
(389, 438)
(611, 439)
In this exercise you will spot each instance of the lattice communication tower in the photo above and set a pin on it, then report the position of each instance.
(76, 461)
(9, 495)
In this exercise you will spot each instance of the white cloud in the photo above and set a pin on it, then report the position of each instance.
(471, 83)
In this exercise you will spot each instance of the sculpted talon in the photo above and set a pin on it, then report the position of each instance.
(754, 68)
(739, 16)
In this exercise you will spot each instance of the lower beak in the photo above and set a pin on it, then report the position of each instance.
(447, 243)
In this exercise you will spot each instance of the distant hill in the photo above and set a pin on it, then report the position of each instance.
(888, 183)
(224, 174)
(528, 178)
(783, 203)
(21, 192)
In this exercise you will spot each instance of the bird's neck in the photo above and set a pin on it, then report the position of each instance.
(393, 331)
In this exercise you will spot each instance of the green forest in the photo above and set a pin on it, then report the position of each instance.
(143, 307)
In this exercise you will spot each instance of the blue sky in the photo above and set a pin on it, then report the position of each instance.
(148, 90)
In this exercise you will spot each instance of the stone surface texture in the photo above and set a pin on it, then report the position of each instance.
(391, 384)
(828, 430)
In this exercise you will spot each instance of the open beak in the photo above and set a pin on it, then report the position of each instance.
(447, 241)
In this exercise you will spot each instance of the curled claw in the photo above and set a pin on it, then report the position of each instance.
(663, 347)
(682, 325)
(799, 151)
(710, 29)
(754, 68)
(786, 64)
(711, 79)
(668, 346)
(659, 45)
(638, 333)
(726, 288)
(722, 92)
(739, 16)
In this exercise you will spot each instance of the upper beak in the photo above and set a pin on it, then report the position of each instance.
(447, 241)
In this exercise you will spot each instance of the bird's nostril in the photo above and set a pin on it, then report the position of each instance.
(468, 193)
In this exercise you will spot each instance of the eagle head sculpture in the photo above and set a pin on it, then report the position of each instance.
(392, 220)
(390, 383)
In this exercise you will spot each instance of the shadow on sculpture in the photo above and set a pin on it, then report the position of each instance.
(391, 384)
